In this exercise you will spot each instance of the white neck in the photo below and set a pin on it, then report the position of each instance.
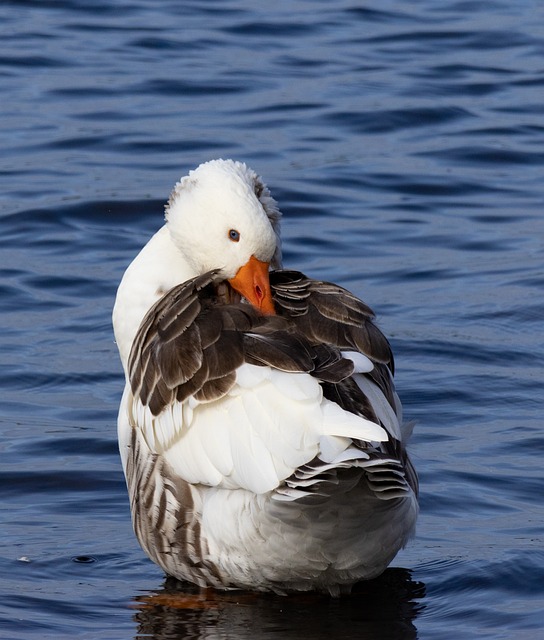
(157, 268)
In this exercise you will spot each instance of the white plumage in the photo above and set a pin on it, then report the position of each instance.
(261, 442)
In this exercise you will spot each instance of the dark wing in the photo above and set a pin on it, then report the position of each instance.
(323, 312)
(328, 314)
(191, 344)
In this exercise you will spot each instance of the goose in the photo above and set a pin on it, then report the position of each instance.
(260, 432)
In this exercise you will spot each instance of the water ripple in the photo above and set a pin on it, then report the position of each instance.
(404, 145)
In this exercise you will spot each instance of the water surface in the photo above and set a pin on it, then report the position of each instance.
(404, 143)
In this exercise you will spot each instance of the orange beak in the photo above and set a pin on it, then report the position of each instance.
(253, 283)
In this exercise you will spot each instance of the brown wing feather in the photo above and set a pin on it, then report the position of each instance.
(328, 314)
(191, 344)
(325, 313)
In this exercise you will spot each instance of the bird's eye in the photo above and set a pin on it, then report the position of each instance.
(234, 235)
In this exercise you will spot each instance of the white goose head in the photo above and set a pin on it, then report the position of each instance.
(222, 216)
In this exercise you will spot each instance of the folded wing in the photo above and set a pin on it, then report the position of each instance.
(287, 403)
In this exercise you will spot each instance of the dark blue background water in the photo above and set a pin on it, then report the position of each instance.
(405, 144)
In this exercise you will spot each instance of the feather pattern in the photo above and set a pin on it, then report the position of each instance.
(188, 340)
(261, 451)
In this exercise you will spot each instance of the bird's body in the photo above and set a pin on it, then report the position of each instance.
(262, 442)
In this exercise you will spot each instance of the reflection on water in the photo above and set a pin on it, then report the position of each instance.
(380, 609)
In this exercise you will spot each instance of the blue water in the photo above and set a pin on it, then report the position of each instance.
(405, 144)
